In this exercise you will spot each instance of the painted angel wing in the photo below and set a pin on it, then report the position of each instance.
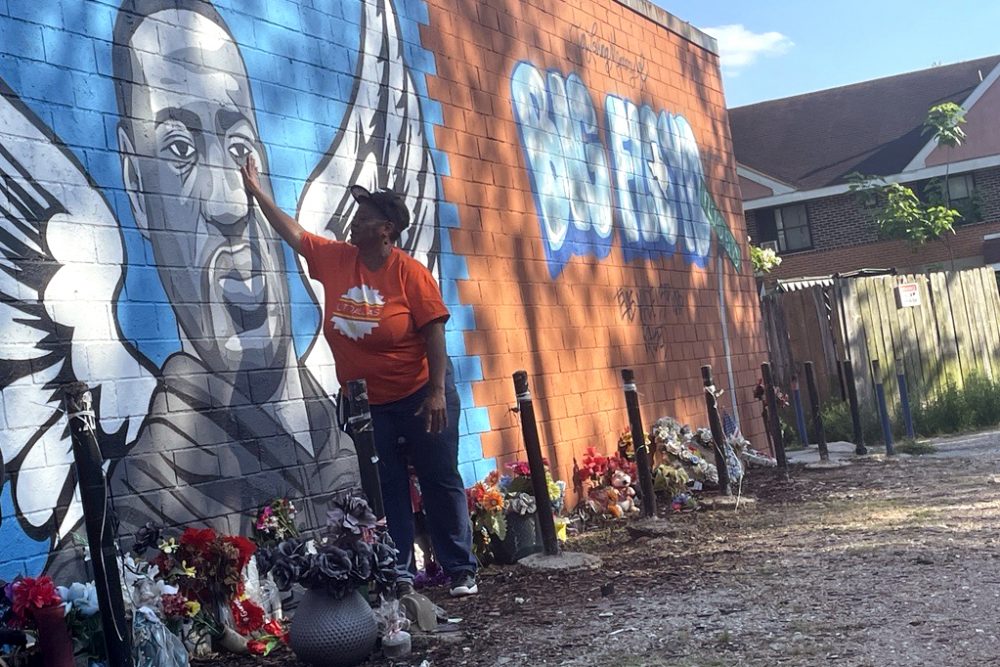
(61, 256)
(380, 144)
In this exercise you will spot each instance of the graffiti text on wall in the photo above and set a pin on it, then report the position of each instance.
(653, 307)
(593, 43)
(663, 204)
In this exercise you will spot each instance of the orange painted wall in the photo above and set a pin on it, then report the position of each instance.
(574, 332)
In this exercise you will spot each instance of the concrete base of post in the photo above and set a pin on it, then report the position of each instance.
(565, 560)
(841, 453)
(651, 527)
(733, 502)
(827, 465)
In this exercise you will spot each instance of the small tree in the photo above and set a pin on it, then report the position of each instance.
(944, 122)
(898, 213)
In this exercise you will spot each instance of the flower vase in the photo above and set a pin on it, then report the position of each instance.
(53, 636)
(333, 632)
(523, 538)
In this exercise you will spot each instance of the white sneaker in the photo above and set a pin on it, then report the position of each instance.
(462, 585)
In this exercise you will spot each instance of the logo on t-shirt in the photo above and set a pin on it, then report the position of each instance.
(357, 312)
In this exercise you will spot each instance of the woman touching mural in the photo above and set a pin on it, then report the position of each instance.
(384, 321)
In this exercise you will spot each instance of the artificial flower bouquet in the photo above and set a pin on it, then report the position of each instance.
(196, 587)
(609, 484)
(207, 569)
(502, 494)
(275, 522)
(353, 550)
(35, 605)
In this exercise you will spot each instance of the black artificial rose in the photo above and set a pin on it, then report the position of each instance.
(383, 564)
(362, 558)
(358, 508)
(283, 574)
(348, 517)
(334, 569)
(265, 560)
(146, 537)
(289, 548)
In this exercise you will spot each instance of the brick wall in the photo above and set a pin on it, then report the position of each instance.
(139, 268)
(844, 239)
(573, 333)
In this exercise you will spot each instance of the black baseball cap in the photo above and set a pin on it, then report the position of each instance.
(387, 202)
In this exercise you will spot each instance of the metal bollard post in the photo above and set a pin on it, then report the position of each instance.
(800, 418)
(904, 399)
(883, 411)
(363, 434)
(824, 454)
(852, 399)
(639, 444)
(533, 449)
(772, 412)
(718, 434)
(94, 497)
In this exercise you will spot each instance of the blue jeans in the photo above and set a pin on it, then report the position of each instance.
(401, 439)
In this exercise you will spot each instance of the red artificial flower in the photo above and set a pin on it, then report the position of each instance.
(275, 627)
(522, 468)
(245, 547)
(198, 539)
(31, 593)
(257, 647)
(174, 605)
(247, 616)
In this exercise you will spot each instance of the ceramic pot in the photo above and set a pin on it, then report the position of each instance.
(331, 632)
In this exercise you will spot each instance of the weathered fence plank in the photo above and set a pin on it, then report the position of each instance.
(951, 334)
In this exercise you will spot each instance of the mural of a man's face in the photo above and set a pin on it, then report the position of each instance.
(193, 125)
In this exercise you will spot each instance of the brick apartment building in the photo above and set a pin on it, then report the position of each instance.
(796, 154)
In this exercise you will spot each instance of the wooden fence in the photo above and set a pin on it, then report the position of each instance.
(938, 327)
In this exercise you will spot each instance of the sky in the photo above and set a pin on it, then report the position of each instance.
(778, 48)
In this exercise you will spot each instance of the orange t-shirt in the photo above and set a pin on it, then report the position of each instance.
(372, 319)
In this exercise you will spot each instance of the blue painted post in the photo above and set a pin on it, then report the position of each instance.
(883, 411)
(800, 417)
(904, 399)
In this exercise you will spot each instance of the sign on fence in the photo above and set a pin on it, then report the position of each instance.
(907, 295)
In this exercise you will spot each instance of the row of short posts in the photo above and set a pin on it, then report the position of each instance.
(852, 399)
(641, 445)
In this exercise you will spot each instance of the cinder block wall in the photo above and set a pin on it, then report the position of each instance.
(573, 318)
(570, 171)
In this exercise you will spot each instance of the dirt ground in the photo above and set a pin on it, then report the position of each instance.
(877, 563)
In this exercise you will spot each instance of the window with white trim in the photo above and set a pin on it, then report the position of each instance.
(788, 226)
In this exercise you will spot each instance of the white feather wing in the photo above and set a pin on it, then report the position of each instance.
(381, 144)
(61, 269)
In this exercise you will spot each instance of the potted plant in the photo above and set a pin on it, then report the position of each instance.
(504, 514)
(334, 626)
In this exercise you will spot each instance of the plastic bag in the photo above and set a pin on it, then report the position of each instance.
(154, 645)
